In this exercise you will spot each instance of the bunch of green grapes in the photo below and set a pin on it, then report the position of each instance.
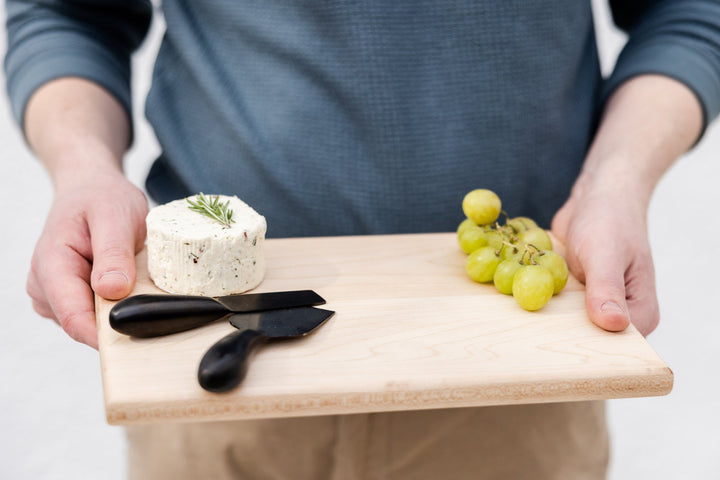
(516, 256)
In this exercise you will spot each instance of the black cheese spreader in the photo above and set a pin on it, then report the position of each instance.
(154, 315)
(224, 365)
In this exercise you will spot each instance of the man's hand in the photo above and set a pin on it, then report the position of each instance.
(94, 228)
(605, 234)
(97, 220)
(648, 122)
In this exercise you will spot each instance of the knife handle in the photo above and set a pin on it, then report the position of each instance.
(151, 315)
(224, 365)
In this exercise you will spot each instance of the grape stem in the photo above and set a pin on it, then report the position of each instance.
(531, 255)
(504, 214)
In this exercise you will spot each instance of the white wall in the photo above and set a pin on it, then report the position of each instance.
(52, 422)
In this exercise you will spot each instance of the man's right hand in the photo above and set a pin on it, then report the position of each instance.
(95, 226)
(97, 220)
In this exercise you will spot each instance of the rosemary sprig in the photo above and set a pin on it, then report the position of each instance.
(211, 207)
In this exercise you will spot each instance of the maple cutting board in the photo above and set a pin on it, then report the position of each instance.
(411, 331)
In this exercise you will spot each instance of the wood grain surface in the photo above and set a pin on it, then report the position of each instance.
(411, 331)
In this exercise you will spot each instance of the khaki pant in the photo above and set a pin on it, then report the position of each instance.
(544, 441)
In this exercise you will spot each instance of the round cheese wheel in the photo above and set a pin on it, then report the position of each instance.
(192, 254)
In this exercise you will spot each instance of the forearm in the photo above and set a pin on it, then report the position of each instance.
(76, 127)
(648, 123)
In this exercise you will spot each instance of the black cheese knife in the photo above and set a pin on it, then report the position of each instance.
(151, 315)
(224, 365)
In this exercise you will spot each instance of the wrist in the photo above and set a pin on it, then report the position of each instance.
(648, 122)
(70, 170)
(616, 183)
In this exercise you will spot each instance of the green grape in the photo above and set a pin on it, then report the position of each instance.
(482, 263)
(533, 287)
(504, 274)
(472, 239)
(537, 237)
(555, 263)
(482, 206)
(511, 251)
(494, 238)
(465, 225)
(520, 224)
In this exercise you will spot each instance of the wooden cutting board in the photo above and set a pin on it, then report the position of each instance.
(411, 331)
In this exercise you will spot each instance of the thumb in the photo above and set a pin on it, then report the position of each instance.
(605, 295)
(113, 245)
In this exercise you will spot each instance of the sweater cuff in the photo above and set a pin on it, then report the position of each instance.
(698, 71)
(40, 60)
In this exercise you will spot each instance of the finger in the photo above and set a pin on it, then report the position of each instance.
(642, 296)
(33, 288)
(605, 292)
(43, 309)
(559, 223)
(114, 241)
(37, 293)
(63, 276)
(41, 306)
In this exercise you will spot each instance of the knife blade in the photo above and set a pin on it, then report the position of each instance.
(153, 315)
(224, 365)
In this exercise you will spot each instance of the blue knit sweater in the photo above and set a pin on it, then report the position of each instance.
(350, 117)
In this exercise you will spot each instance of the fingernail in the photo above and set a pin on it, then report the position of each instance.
(611, 307)
(115, 274)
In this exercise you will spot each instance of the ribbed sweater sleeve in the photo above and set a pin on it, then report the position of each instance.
(49, 39)
(676, 38)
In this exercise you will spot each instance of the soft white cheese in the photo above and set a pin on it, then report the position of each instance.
(192, 254)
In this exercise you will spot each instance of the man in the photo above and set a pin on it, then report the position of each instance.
(348, 118)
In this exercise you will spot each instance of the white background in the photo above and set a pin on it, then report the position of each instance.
(52, 423)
